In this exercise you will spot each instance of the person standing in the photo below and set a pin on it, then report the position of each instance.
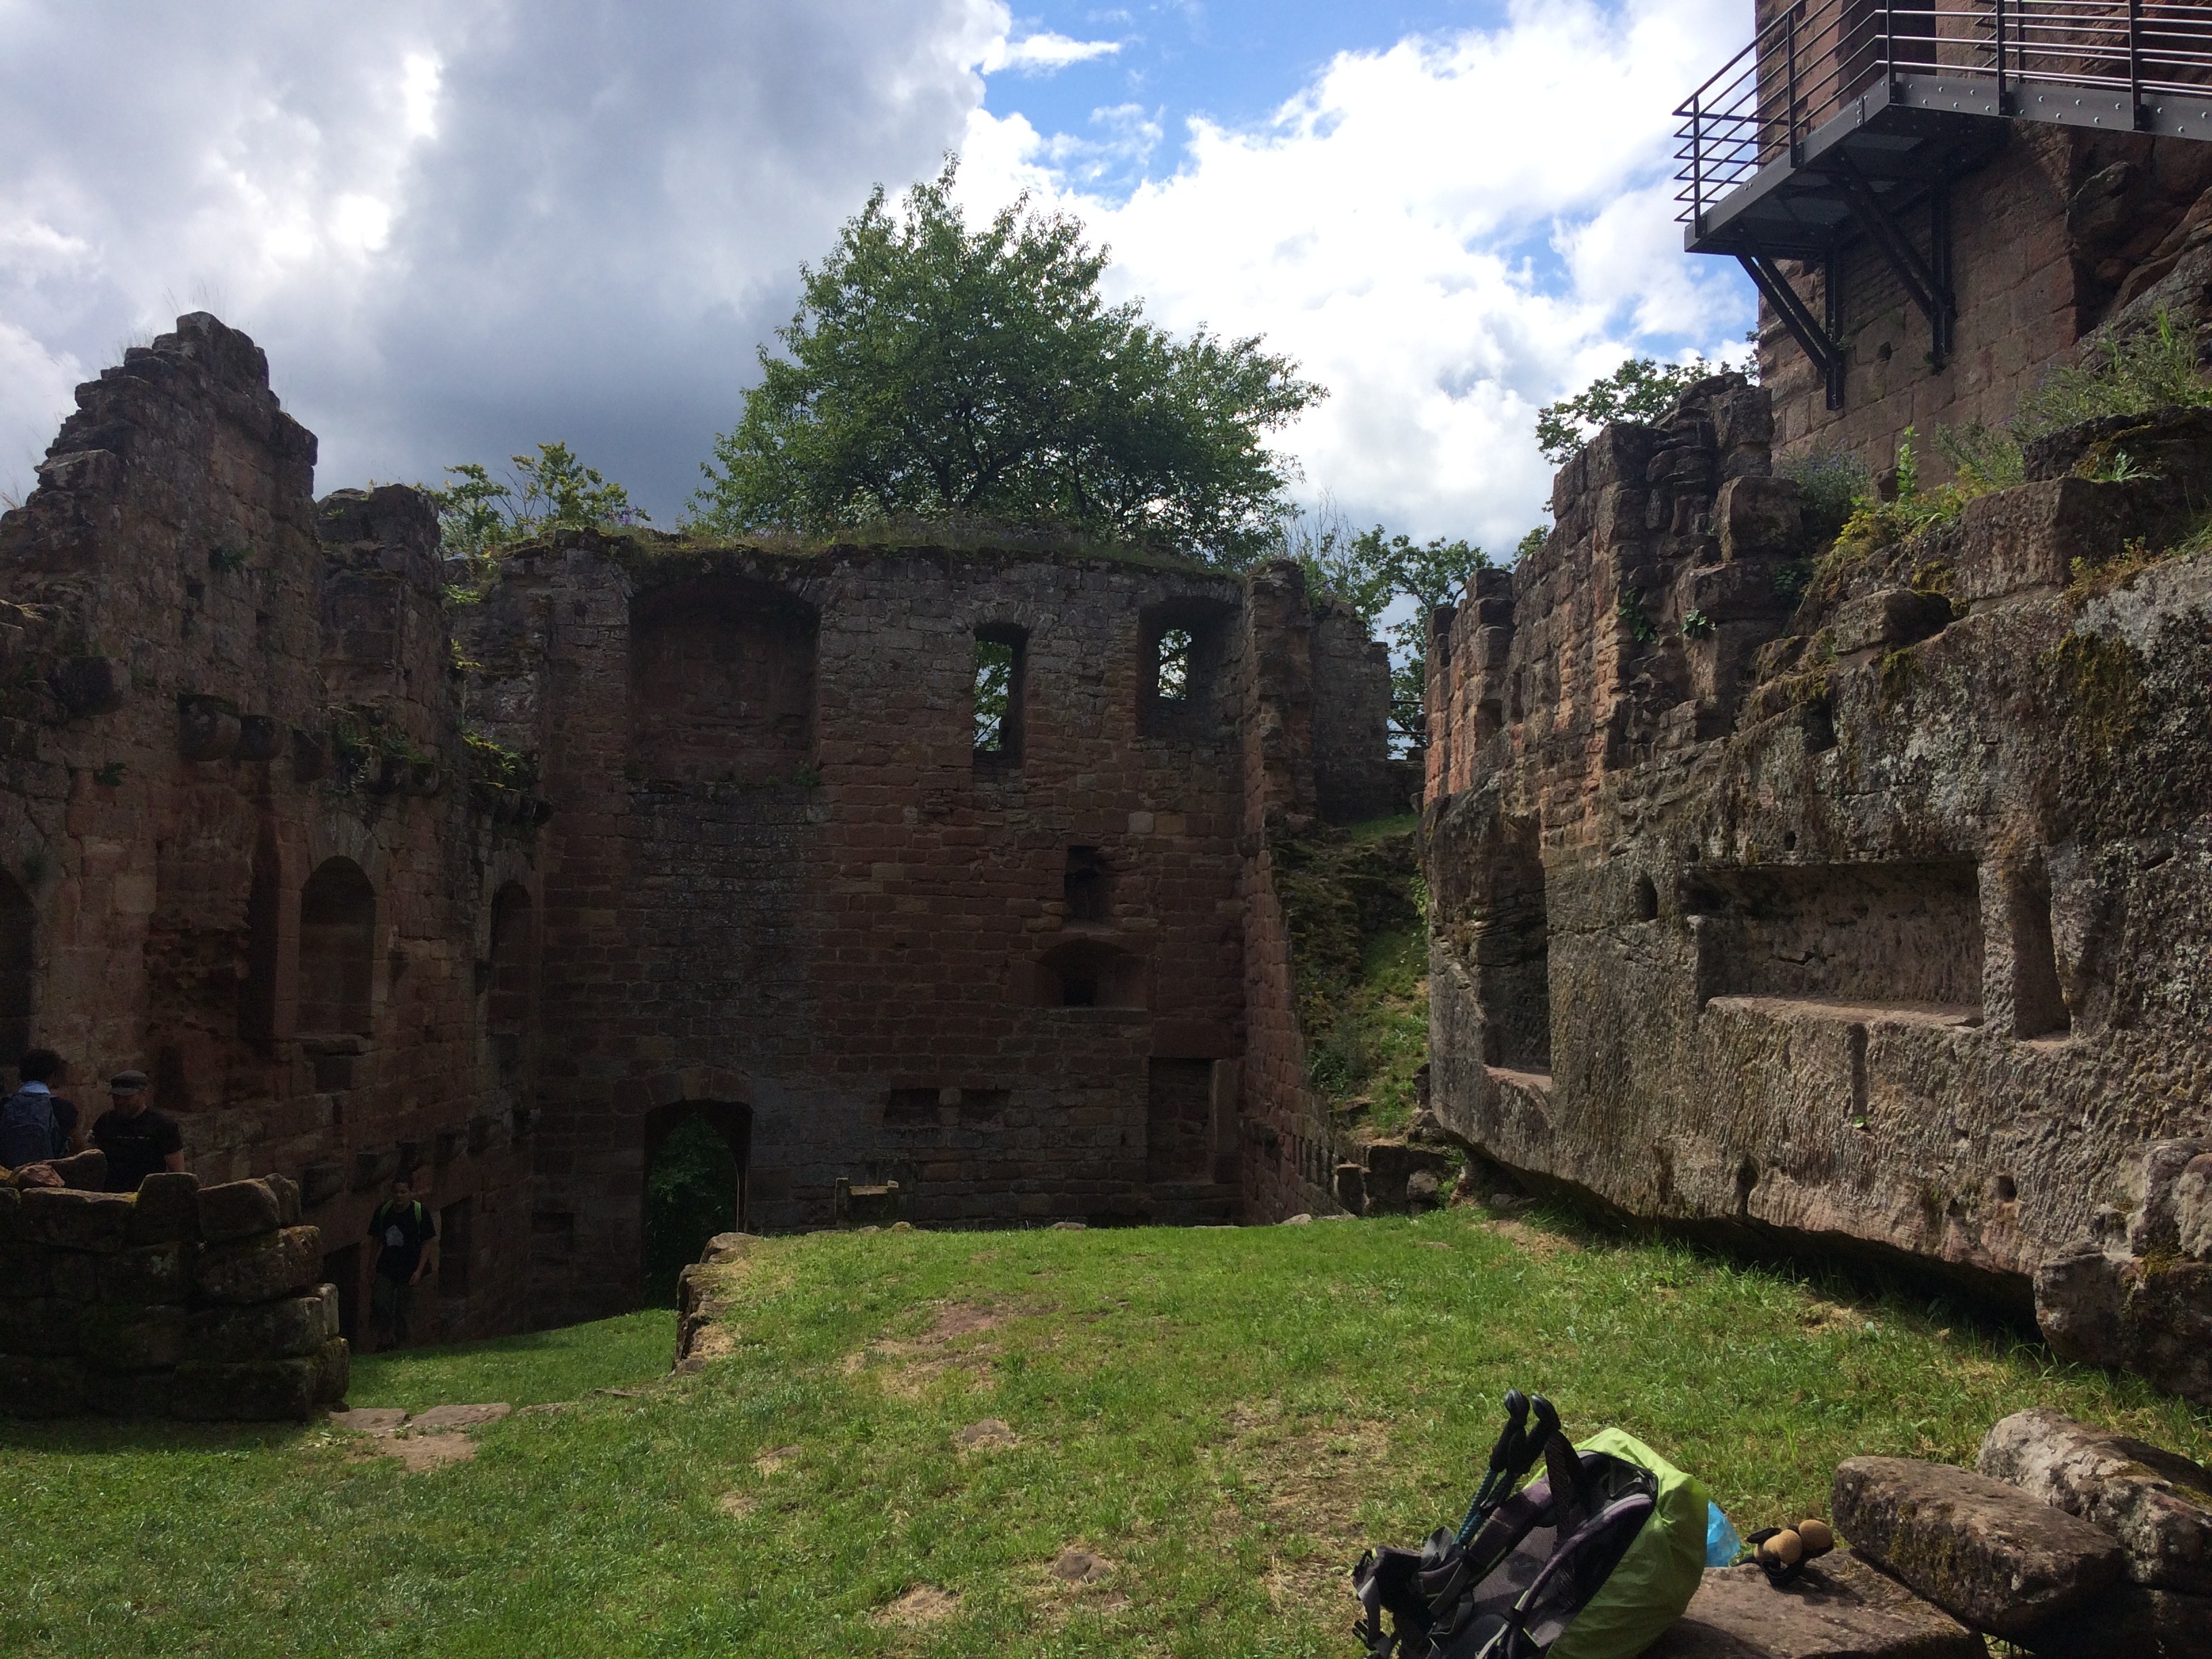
(37, 1125)
(404, 1232)
(138, 1140)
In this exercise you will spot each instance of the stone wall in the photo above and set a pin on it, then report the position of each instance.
(176, 1300)
(501, 882)
(2061, 228)
(1864, 903)
(239, 845)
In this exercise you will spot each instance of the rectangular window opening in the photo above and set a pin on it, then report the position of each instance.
(998, 653)
(1174, 669)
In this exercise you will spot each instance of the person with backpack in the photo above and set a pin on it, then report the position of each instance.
(404, 1232)
(36, 1125)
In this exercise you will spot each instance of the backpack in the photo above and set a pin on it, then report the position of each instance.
(1591, 1561)
(29, 1133)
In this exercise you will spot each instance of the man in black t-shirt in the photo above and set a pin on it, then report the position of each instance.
(402, 1230)
(138, 1140)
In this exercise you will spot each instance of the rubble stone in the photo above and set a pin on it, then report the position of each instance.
(1985, 1553)
(2157, 1503)
(240, 1209)
(260, 1269)
(1838, 1608)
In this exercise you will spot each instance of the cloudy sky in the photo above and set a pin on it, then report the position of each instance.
(459, 226)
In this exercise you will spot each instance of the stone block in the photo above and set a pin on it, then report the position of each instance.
(2132, 1622)
(136, 1395)
(321, 1183)
(73, 1275)
(38, 1328)
(73, 1220)
(1739, 592)
(85, 1172)
(1894, 616)
(238, 1209)
(261, 1269)
(1985, 1553)
(287, 1328)
(207, 727)
(1838, 1608)
(372, 1169)
(288, 1204)
(40, 1387)
(333, 1363)
(2028, 537)
(149, 1273)
(2157, 1503)
(1757, 518)
(266, 1391)
(166, 1207)
(2152, 1315)
(113, 1336)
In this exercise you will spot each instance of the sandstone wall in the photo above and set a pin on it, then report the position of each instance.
(2063, 226)
(501, 883)
(1872, 907)
(174, 1301)
(239, 848)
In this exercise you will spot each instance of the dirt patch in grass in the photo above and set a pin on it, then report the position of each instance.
(908, 1367)
(1538, 1243)
(925, 1604)
(769, 1462)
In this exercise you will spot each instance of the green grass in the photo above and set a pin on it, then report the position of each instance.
(523, 1370)
(1226, 1415)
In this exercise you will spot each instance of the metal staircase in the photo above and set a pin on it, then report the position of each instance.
(1845, 118)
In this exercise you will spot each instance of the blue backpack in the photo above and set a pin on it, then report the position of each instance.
(29, 1133)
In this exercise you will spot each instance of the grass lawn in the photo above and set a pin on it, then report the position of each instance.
(1224, 1416)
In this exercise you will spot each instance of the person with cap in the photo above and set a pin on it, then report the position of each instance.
(138, 1140)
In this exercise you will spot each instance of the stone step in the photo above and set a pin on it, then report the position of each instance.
(1838, 1608)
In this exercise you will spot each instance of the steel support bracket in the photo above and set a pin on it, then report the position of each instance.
(1929, 287)
(1813, 339)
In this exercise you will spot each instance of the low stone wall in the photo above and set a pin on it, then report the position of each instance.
(175, 1301)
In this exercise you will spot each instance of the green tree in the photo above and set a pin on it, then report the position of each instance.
(935, 372)
(1641, 389)
(1369, 570)
(549, 490)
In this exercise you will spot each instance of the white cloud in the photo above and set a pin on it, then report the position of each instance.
(1447, 234)
(458, 226)
(1044, 54)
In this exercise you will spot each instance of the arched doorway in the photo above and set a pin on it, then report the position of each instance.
(695, 1186)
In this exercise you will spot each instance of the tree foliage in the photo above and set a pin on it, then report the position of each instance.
(553, 489)
(932, 371)
(1641, 389)
(1369, 570)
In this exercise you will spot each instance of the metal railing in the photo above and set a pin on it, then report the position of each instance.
(1813, 58)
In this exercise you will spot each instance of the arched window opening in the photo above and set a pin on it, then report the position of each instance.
(337, 950)
(19, 975)
(507, 1010)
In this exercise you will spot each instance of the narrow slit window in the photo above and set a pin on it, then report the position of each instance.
(1174, 665)
(997, 695)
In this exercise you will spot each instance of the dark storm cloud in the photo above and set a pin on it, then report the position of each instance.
(457, 228)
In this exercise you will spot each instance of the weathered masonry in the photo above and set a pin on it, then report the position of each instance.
(1869, 905)
(371, 874)
(1938, 200)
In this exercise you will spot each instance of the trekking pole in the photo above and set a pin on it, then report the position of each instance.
(1498, 1482)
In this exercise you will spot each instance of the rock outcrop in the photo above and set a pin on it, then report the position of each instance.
(1861, 902)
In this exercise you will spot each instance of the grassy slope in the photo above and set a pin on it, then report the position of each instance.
(1226, 1415)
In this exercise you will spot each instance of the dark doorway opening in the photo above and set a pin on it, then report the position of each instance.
(695, 1186)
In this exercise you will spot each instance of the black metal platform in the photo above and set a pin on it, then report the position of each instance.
(1846, 117)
